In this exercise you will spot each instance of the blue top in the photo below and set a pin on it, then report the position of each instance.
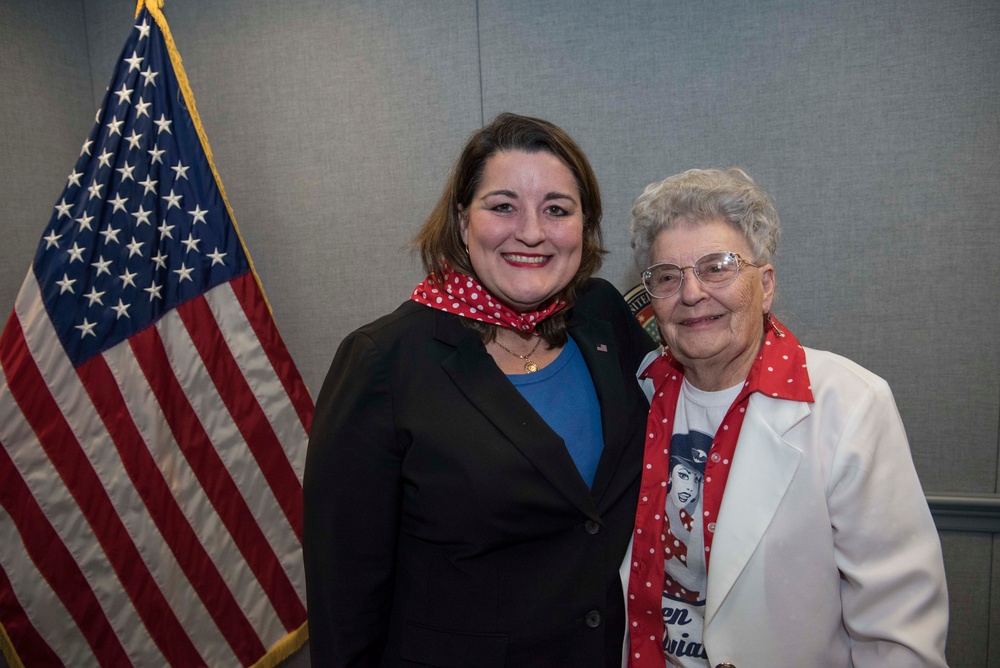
(563, 395)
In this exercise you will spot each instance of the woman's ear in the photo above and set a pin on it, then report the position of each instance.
(767, 281)
(463, 224)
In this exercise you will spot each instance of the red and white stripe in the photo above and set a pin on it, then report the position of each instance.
(151, 507)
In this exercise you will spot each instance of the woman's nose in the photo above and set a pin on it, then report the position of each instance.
(692, 290)
(530, 230)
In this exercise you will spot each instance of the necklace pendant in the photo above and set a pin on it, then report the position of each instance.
(530, 367)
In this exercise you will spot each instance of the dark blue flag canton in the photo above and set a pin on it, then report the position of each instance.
(141, 226)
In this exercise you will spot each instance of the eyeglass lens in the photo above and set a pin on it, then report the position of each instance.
(715, 269)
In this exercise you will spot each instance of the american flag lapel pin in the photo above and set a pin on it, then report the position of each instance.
(602, 348)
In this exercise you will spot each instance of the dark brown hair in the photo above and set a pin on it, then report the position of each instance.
(439, 241)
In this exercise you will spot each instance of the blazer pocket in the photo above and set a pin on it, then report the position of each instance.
(447, 649)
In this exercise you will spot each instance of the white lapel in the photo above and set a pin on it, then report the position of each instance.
(763, 467)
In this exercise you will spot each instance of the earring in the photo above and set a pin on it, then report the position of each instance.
(769, 322)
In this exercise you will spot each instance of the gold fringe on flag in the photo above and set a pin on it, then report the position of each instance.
(7, 649)
(284, 648)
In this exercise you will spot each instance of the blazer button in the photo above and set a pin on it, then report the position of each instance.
(593, 619)
(591, 527)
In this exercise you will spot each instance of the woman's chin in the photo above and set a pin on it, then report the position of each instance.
(692, 349)
(523, 302)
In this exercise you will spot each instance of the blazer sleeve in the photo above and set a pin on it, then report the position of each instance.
(352, 490)
(894, 596)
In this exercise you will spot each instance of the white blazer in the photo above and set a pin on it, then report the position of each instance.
(825, 553)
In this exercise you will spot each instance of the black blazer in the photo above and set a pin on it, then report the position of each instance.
(445, 523)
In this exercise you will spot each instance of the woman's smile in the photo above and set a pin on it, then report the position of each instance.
(527, 261)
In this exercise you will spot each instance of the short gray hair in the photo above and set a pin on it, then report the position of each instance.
(701, 196)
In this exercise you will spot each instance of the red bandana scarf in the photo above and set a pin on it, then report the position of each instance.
(779, 371)
(464, 296)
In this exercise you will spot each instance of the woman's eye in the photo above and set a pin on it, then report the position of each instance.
(556, 211)
(504, 207)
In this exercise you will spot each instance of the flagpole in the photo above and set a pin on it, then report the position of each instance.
(154, 7)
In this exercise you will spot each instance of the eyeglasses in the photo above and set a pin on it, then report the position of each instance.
(715, 270)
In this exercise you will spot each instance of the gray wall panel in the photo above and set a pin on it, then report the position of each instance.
(968, 561)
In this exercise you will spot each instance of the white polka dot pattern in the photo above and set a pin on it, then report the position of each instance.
(463, 296)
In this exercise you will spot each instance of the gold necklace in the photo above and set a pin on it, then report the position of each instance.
(529, 365)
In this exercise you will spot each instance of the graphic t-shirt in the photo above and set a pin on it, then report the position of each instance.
(697, 419)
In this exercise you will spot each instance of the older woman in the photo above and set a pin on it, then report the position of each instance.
(475, 457)
(813, 544)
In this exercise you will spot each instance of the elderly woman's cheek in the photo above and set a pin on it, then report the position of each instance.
(749, 308)
(661, 310)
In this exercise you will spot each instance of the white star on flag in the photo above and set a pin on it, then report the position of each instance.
(134, 62)
(63, 208)
(85, 221)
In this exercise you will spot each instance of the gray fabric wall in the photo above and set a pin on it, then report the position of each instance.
(876, 126)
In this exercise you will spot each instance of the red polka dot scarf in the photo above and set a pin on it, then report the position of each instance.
(779, 371)
(465, 296)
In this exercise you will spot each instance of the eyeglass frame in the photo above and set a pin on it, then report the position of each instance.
(740, 263)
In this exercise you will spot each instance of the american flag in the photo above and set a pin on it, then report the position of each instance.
(153, 425)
